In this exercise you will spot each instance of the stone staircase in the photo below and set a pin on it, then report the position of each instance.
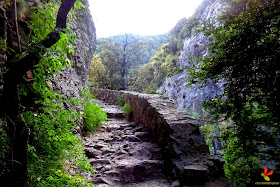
(126, 154)
(123, 154)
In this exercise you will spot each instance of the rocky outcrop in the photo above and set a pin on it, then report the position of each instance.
(174, 87)
(185, 152)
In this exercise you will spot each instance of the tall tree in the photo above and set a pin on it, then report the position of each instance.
(121, 56)
(97, 73)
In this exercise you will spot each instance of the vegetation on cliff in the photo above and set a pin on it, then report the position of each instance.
(244, 53)
(39, 147)
(149, 77)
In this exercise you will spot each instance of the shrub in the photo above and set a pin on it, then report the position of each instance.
(52, 143)
(127, 109)
(121, 100)
(93, 117)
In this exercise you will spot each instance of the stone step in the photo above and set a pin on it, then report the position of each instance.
(150, 183)
(139, 170)
(127, 171)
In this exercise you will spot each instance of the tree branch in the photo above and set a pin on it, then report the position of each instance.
(33, 58)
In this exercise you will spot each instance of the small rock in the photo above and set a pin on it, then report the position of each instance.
(132, 138)
(122, 127)
(72, 172)
(128, 128)
(98, 146)
(98, 180)
(96, 166)
(107, 140)
(116, 138)
(142, 134)
(108, 182)
(92, 153)
(120, 157)
(175, 184)
(122, 152)
(130, 152)
(84, 175)
(111, 173)
(102, 161)
(107, 168)
(107, 151)
(139, 129)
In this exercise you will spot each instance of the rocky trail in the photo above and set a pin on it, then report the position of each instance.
(123, 154)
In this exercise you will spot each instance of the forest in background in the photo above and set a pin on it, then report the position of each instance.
(141, 63)
(243, 52)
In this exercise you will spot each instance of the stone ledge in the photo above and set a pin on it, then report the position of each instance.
(185, 151)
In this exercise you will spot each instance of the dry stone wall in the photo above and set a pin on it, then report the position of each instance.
(185, 151)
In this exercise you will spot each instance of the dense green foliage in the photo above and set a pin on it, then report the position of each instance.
(53, 149)
(51, 144)
(97, 76)
(121, 100)
(244, 53)
(52, 141)
(150, 76)
(127, 110)
(4, 145)
(93, 115)
(116, 60)
(153, 44)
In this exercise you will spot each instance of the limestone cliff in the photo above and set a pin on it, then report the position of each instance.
(174, 87)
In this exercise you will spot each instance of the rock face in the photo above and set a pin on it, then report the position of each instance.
(174, 87)
(68, 83)
(185, 152)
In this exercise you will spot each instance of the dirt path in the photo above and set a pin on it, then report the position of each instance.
(123, 154)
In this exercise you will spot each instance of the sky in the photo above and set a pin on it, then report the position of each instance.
(142, 17)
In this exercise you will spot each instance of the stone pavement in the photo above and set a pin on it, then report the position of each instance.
(123, 154)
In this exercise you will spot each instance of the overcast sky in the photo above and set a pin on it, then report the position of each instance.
(143, 17)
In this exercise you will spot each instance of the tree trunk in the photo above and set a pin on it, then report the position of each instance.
(124, 63)
(123, 73)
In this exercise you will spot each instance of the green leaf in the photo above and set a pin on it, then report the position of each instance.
(78, 4)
